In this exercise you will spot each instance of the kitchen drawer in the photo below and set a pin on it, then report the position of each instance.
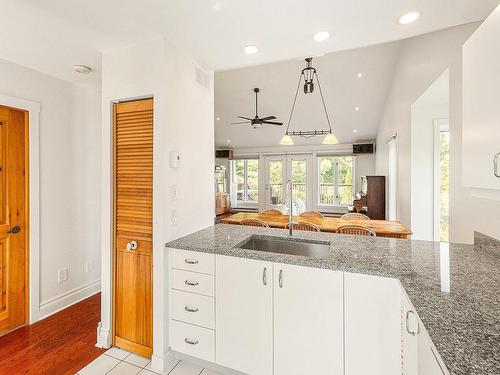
(192, 340)
(192, 261)
(192, 308)
(192, 282)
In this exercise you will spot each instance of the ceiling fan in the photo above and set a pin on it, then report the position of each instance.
(256, 122)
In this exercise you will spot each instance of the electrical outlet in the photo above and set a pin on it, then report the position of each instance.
(62, 275)
(89, 266)
(173, 194)
(173, 217)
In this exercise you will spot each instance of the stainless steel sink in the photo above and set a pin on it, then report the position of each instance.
(308, 248)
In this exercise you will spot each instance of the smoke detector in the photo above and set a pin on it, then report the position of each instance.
(83, 69)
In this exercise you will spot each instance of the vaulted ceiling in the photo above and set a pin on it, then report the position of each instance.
(52, 35)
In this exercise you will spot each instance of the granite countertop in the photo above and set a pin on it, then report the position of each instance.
(455, 288)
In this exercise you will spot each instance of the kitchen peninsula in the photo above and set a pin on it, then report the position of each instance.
(408, 306)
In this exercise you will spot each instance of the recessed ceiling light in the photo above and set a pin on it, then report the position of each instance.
(409, 18)
(251, 50)
(356, 108)
(228, 141)
(216, 7)
(321, 36)
(355, 130)
(83, 69)
(360, 75)
(218, 118)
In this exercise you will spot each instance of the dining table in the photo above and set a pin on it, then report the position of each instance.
(383, 228)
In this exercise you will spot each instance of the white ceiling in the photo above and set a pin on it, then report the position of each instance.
(52, 35)
(342, 89)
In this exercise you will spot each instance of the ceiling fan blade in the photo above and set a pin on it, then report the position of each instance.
(268, 118)
(245, 118)
(272, 123)
(242, 122)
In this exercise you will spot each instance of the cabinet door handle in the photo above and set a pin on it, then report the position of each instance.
(495, 165)
(190, 261)
(190, 342)
(280, 279)
(132, 245)
(191, 309)
(264, 276)
(413, 333)
(191, 283)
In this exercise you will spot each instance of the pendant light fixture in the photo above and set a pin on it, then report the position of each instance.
(309, 74)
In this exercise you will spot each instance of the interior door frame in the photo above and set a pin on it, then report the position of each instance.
(32, 196)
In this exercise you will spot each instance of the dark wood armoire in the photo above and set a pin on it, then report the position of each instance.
(374, 199)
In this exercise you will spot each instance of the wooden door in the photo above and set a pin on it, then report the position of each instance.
(133, 210)
(13, 218)
(308, 321)
(244, 315)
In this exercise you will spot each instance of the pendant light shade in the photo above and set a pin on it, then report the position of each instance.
(286, 140)
(330, 139)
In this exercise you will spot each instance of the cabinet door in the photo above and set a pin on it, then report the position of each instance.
(308, 321)
(244, 315)
(429, 362)
(372, 325)
(410, 329)
(481, 112)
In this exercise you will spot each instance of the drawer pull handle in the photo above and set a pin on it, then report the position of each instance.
(413, 333)
(190, 261)
(190, 342)
(191, 283)
(190, 309)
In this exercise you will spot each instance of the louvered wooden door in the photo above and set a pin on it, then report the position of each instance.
(13, 218)
(133, 226)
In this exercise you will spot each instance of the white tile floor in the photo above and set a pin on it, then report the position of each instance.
(117, 361)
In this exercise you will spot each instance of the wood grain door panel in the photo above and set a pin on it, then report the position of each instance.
(133, 221)
(13, 212)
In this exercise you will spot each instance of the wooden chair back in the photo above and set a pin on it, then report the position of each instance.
(304, 226)
(357, 230)
(272, 211)
(354, 216)
(311, 214)
(254, 223)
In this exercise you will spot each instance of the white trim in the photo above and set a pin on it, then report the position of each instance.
(104, 340)
(440, 125)
(66, 299)
(33, 109)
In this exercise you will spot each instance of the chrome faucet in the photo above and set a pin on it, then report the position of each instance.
(290, 211)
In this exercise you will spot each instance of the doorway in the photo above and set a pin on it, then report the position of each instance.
(14, 219)
(280, 169)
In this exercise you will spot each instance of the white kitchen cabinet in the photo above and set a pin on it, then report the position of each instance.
(481, 110)
(410, 329)
(372, 318)
(308, 321)
(244, 314)
(429, 361)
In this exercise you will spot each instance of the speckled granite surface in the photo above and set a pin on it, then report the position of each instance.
(455, 288)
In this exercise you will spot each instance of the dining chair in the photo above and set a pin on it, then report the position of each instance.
(272, 212)
(311, 214)
(354, 216)
(254, 223)
(304, 226)
(357, 230)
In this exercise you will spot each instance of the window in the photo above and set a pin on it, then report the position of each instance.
(336, 182)
(246, 181)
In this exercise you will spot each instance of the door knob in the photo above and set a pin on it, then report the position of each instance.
(15, 229)
(132, 245)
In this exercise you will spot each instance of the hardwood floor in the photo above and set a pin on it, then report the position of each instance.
(60, 344)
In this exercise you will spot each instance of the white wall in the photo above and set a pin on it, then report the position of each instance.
(69, 182)
(421, 61)
(432, 105)
(183, 121)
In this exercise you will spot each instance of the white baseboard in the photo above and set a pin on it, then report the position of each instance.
(62, 301)
(103, 337)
